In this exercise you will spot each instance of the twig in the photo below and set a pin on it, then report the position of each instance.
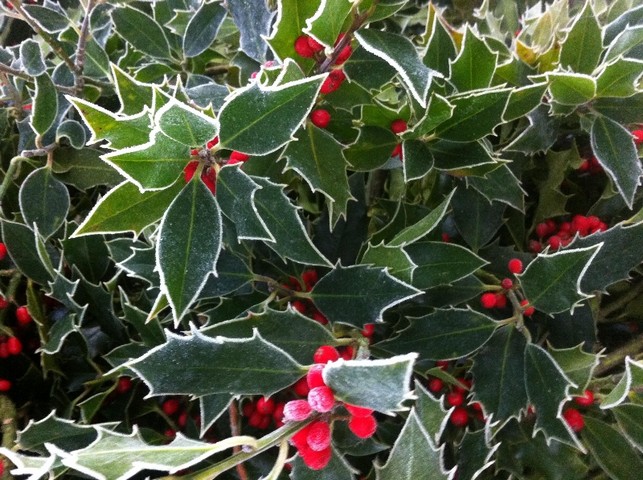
(79, 81)
(40, 152)
(631, 294)
(235, 431)
(8, 177)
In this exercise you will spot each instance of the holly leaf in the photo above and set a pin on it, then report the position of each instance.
(476, 219)
(203, 28)
(253, 19)
(126, 209)
(63, 433)
(133, 95)
(291, 20)
(500, 185)
(258, 120)
(294, 333)
(632, 376)
(400, 53)
(328, 21)
(44, 201)
(21, 241)
(372, 148)
(45, 104)
(418, 160)
(368, 70)
(614, 149)
(431, 413)
(359, 294)
(630, 420)
(523, 100)
(212, 407)
(581, 50)
(454, 157)
(184, 124)
(203, 365)
(547, 388)
(120, 456)
(576, 364)
(141, 31)
(443, 334)
(618, 78)
(495, 378)
(440, 49)
(31, 58)
(552, 282)
(474, 66)
(571, 88)
(396, 259)
(284, 224)
(83, 169)
(189, 242)
(383, 384)
(474, 455)
(318, 158)
(73, 132)
(438, 111)
(413, 455)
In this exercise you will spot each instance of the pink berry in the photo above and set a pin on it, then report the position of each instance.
(23, 317)
(488, 300)
(303, 48)
(318, 437)
(574, 419)
(586, 399)
(325, 354)
(297, 410)
(321, 399)
(320, 117)
(314, 376)
(356, 411)
(363, 427)
(459, 417)
(515, 266)
(265, 406)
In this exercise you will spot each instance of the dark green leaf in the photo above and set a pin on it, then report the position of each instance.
(430, 412)
(632, 16)
(44, 201)
(567, 329)
(576, 364)
(142, 31)
(609, 449)
(294, 333)
(456, 156)
(623, 110)
(630, 418)
(232, 274)
(368, 70)
(552, 282)
(203, 28)
(523, 100)
(571, 88)
(84, 168)
(615, 150)
(142, 264)
(400, 53)
(150, 331)
(501, 185)
(188, 245)
(396, 259)
(51, 20)
(438, 111)
(627, 44)
(328, 21)
(633, 375)
(500, 368)
(582, 48)
(45, 104)
(474, 66)
(126, 209)
(73, 131)
(440, 263)
(184, 124)
(258, 120)
(475, 455)
(62, 433)
(58, 333)
(359, 294)
(372, 149)
(31, 58)
(291, 20)
(212, 407)
(133, 95)
(89, 255)
(418, 160)
(541, 134)
(440, 47)
(477, 220)
(202, 366)
(383, 384)
(618, 78)
(21, 246)
(253, 19)
(455, 293)
(418, 230)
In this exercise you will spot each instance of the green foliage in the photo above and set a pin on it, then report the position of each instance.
(197, 195)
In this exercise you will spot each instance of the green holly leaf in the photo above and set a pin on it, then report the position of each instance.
(212, 407)
(632, 376)
(294, 333)
(184, 124)
(609, 449)
(418, 160)
(359, 294)
(455, 157)
(541, 133)
(615, 151)
(389, 378)
(253, 19)
(440, 263)
(133, 95)
(582, 48)
(401, 54)
(552, 282)
(203, 28)
(523, 100)
(494, 379)
(474, 66)
(203, 366)
(571, 88)
(31, 58)
(500, 185)
(438, 111)
(413, 455)
(83, 169)
(444, 334)
(291, 20)
(232, 274)
(151, 332)
(45, 104)
(188, 245)
(141, 31)
(618, 78)
(318, 158)
(630, 419)
(626, 44)
(60, 432)
(120, 132)
(396, 259)
(476, 219)
(89, 255)
(59, 332)
(258, 120)
(21, 241)
(631, 16)
(126, 209)
(368, 70)
(336, 469)
(547, 388)
(440, 48)
(576, 364)
(623, 110)
(475, 115)
(328, 21)
(44, 201)
(422, 228)
(120, 456)
(552, 200)
(236, 197)
(431, 413)
(73, 131)
(475, 455)
(50, 19)
(372, 148)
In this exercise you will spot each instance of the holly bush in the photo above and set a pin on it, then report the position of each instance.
(328, 239)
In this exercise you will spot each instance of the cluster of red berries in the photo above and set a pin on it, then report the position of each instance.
(173, 407)
(560, 235)
(308, 47)
(313, 442)
(491, 300)
(263, 412)
(590, 165)
(455, 396)
(398, 126)
(573, 416)
(305, 284)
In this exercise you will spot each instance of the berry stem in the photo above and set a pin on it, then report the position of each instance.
(235, 431)
(358, 21)
(520, 320)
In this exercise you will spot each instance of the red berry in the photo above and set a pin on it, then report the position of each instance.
(182, 421)
(501, 300)
(302, 47)
(169, 433)
(248, 409)
(555, 242)
(535, 246)
(580, 225)
(310, 278)
(488, 300)
(363, 427)
(318, 437)
(586, 399)
(319, 317)
(314, 376)
(171, 406)
(320, 117)
(454, 398)
(321, 399)
(442, 364)
(325, 354)
(435, 385)
(584, 166)
(638, 137)
(398, 126)
(459, 417)
(14, 346)
(264, 422)
(542, 230)
(446, 238)
(5, 385)
(515, 266)
(4, 352)
(314, 45)
(397, 151)
(265, 406)
(123, 385)
(333, 81)
(356, 411)
(574, 419)
(507, 283)
(368, 330)
(528, 311)
(463, 385)
(22, 316)
(3, 251)
(348, 353)
(299, 306)
(3, 303)
(299, 439)
(256, 419)
(316, 460)
(297, 410)
(344, 55)
(301, 387)
(278, 412)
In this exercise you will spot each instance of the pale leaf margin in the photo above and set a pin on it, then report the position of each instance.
(621, 391)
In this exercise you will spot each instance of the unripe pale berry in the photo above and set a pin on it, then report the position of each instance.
(515, 266)
(363, 427)
(297, 410)
(574, 419)
(320, 117)
(325, 354)
(488, 300)
(319, 435)
(321, 399)
(22, 316)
